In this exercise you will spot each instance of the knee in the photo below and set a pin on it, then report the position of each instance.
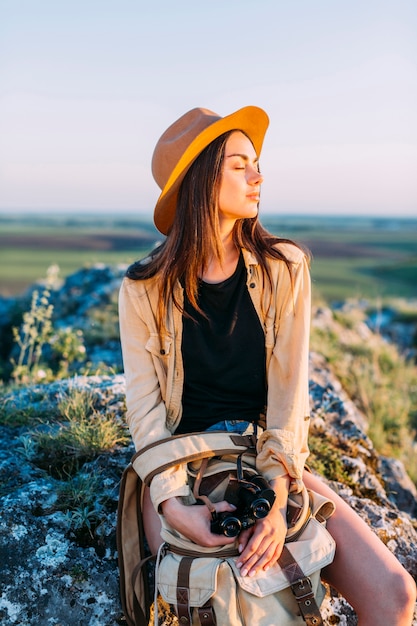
(396, 601)
(404, 591)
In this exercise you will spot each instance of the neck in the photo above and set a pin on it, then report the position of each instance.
(217, 270)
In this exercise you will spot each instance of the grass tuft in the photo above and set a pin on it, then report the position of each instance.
(83, 434)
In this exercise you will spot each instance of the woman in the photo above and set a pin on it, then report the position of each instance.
(214, 330)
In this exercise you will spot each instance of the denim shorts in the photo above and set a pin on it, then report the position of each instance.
(234, 426)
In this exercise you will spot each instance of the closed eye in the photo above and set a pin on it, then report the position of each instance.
(243, 161)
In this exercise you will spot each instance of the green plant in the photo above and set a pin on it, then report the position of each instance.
(76, 404)
(81, 498)
(45, 353)
(67, 351)
(34, 334)
(83, 434)
(104, 322)
(10, 415)
(28, 448)
(82, 518)
(78, 573)
(37, 407)
(325, 459)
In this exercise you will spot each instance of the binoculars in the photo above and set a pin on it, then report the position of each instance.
(253, 499)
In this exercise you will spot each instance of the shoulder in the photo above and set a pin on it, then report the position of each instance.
(291, 252)
(283, 255)
(136, 288)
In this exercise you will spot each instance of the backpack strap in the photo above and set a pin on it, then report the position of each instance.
(206, 615)
(183, 590)
(184, 610)
(132, 558)
(141, 612)
(178, 449)
(301, 588)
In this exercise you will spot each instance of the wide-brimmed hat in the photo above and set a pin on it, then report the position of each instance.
(185, 139)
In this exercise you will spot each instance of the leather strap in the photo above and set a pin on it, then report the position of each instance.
(183, 591)
(141, 619)
(206, 615)
(301, 588)
(184, 611)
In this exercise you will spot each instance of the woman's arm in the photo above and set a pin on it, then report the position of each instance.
(283, 447)
(145, 371)
(146, 412)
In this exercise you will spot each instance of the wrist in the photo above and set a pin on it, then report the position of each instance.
(281, 487)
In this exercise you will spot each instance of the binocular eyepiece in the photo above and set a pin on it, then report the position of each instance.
(253, 499)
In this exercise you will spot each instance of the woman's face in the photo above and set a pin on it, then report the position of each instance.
(240, 185)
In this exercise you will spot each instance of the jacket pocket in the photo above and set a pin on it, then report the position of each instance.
(158, 347)
(160, 351)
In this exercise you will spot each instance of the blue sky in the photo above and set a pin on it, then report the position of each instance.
(87, 87)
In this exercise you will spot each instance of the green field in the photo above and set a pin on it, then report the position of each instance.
(356, 257)
(352, 257)
(29, 245)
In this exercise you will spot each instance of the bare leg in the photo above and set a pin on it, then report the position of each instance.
(151, 522)
(364, 571)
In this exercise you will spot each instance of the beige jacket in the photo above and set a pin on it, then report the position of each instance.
(154, 369)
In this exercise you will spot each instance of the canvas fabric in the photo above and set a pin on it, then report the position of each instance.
(213, 580)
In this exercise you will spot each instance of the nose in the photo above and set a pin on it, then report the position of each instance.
(255, 177)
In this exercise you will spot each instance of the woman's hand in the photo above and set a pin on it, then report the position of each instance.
(194, 521)
(261, 545)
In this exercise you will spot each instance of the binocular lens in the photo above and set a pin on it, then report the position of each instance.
(230, 526)
(260, 508)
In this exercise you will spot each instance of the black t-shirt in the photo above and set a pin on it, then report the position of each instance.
(224, 356)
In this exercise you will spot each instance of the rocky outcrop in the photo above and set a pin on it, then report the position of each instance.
(377, 488)
(50, 573)
(60, 569)
(53, 575)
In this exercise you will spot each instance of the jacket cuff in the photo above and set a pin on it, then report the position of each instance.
(171, 483)
(277, 456)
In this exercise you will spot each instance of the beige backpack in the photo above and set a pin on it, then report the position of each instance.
(203, 585)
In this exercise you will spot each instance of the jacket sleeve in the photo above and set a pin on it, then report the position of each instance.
(145, 372)
(283, 446)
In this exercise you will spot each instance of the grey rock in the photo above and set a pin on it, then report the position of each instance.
(400, 488)
(53, 576)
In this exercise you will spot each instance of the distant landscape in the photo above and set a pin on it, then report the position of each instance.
(353, 257)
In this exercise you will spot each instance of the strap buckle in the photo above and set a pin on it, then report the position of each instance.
(302, 589)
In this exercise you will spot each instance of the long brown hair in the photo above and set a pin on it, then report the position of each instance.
(195, 236)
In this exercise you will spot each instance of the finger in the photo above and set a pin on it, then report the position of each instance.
(224, 506)
(273, 559)
(260, 558)
(244, 539)
(212, 540)
(278, 551)
(269, 557)
(251, 555)
(251, 541)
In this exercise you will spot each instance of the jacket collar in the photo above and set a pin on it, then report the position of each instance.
(249, 258)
